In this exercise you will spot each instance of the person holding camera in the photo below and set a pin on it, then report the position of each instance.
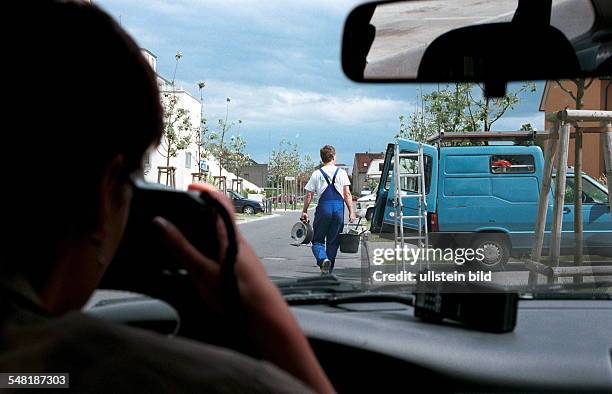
(100, 112)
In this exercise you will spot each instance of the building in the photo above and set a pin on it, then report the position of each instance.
(185, 162)
(596, 97)
(361, 164)
(340, 166)
(255, 173)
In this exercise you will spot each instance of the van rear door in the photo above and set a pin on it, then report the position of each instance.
(409, 185)
(382, 191)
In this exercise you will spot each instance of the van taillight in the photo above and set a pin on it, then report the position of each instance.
(433, 221)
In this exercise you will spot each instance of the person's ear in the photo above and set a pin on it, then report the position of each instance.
(111, 189)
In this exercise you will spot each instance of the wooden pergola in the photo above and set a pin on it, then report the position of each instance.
(556, 155)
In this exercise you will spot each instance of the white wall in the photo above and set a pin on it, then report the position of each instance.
(183, 175)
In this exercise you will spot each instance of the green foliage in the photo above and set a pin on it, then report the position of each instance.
(458, 107)
(284, 160)
(307, 167)
(235, 155)
(483, 112)
(177, 126)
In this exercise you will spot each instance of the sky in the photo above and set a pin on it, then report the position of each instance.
(279, 62)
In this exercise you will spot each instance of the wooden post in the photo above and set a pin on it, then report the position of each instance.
(578, 219)
(549, 157)
(606, 143)
(555, 242)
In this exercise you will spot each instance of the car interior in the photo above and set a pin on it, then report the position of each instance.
(550, 338)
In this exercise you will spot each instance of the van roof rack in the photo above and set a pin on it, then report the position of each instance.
(518, 137)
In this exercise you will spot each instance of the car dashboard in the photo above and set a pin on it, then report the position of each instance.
(557, 346)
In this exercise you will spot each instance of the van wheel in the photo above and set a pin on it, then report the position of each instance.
(496, 250)
(369, 214)
(249, 210)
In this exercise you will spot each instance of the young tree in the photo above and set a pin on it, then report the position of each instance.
(177, 122)
(237, 157)
(576, 92)
(201, 136)
(284, 161)
(307, 167)
(484, 111)
(458, 107)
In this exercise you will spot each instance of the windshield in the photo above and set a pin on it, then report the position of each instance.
(259, 93)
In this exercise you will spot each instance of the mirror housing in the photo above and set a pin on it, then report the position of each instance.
(525, 48)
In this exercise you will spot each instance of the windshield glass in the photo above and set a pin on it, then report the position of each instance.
(258, 91)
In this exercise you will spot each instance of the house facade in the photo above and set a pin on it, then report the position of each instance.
(597, 97)
(361, 164)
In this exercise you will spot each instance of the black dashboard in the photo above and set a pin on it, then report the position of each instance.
(557, 346)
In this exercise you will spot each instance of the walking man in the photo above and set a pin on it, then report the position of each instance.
(331, 184)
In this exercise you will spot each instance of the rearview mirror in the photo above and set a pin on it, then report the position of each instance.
(473, 41)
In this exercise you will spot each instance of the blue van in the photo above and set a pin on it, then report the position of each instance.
(487, 197)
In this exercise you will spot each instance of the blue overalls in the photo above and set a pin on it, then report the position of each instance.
(328, 223)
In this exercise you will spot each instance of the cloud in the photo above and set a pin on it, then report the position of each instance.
(277, 106)
(513, 122)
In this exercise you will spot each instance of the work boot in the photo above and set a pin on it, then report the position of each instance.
(325, 266)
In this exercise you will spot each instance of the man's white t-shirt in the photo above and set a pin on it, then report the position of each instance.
(317, 183)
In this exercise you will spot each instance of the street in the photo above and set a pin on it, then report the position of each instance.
(270, 237)
(272, 241)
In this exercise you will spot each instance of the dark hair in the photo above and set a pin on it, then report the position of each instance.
(79, 93)
(327, 153)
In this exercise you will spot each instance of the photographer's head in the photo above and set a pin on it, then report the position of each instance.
(82, 109)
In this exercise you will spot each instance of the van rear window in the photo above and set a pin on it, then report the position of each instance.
(512, 164)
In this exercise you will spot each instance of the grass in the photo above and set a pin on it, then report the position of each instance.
(244, 216)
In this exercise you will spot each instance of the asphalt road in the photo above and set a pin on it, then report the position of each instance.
(271, 239)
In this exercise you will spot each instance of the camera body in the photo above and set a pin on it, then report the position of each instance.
(145, 264)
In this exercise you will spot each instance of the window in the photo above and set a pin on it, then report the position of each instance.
(409, 165)
(187, 159)
(234, 196)
(512, 164)
(591, 194)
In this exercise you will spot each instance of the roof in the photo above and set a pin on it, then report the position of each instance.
(363, 160)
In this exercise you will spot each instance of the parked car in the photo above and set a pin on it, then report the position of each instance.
(365, 191)
(365, 206)
(488, 196)
(245, 205)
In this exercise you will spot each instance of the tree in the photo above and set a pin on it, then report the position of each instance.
(307, 167)
(217, 139)
(446, 108)
(284, 161)
(201, 137)
(577, 94)
(484, 111)
(458, 107)
(236, 155)
(177, 123)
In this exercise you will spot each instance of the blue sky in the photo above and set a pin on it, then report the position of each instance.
(279, 62)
